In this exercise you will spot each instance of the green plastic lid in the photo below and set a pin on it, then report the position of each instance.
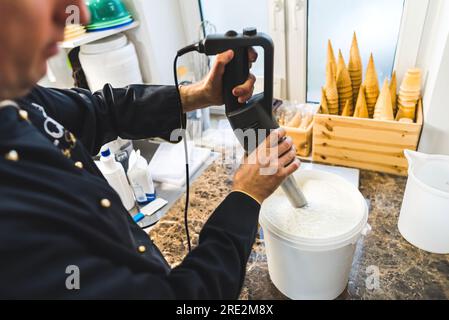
(106, 11)
(109, 24)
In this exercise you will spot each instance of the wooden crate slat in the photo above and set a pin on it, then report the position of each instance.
(362, 146)
(353, 155)
(361, 165)
(366, 134)
(359, 123)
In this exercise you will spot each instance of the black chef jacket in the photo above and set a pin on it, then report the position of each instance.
(57, 210)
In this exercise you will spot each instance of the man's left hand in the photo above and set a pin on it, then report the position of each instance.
(209, 91)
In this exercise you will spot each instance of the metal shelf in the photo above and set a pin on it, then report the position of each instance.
(93, 36)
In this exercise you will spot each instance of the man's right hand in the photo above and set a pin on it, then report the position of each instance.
(262, 172)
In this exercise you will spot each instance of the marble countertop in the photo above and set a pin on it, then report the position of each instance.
(405, 272)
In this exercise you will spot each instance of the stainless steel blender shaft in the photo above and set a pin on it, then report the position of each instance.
(293, 193)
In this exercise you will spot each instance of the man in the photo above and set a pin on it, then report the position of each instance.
(58, 215)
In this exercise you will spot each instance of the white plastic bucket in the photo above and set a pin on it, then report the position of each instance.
(111, 60)
(312, 269)
(424, 217)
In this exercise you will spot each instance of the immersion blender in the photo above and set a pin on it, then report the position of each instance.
(257, 113)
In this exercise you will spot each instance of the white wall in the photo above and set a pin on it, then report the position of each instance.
(159, 37)
(434, 60)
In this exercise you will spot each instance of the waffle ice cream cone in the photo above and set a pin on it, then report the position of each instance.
(355, 61)
(407, 108)
(347, 112)
(355, 68)
(405, 101)
(384, 107)
(361, 109)
(324, 106)
(406, 120)
(412, 81)
(331, 59)
(306, 121)
(409, 95)
(413, 96)
(344, 84)
(371, 86)
(331, 91)
(295, 121)
(404, 112)
(73, 31)
(393, 92)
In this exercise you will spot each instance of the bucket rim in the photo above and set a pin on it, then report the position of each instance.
(321, 244)
(315, 243)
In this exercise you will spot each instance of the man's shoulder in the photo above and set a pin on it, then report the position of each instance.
(49, 98)
(35, 95)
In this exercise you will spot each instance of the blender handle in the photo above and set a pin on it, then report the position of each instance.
(218, 43)
(236, 73)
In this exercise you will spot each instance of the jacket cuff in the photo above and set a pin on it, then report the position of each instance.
(238, 214)
(249, 195)
(174, 111)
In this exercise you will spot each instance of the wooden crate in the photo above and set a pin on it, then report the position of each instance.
(302, 139)
(365, 143)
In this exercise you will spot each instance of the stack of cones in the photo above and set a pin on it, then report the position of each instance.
(331, 59)
(347, 112)
(409, 94)
(331, 91)
(73, 31)
(344, 86)
(384, 107)
(393, 92)
(371, 86)
(295, 121)
(324, 106)
(355, 68)
(361, 109)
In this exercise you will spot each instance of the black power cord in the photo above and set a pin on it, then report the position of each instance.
(194, 47)
(184, 137)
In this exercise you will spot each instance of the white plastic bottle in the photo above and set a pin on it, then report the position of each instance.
(115, 175)
(140, 178)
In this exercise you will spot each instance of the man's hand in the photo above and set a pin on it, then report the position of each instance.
(209, 91)
(275, 155)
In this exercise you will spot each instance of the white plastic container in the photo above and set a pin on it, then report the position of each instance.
(110, 60)
(140, 178)
(313, 269)
(424, 217)
(119, 145)
(115, 175)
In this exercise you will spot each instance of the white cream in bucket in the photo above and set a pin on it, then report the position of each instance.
(310, 250)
